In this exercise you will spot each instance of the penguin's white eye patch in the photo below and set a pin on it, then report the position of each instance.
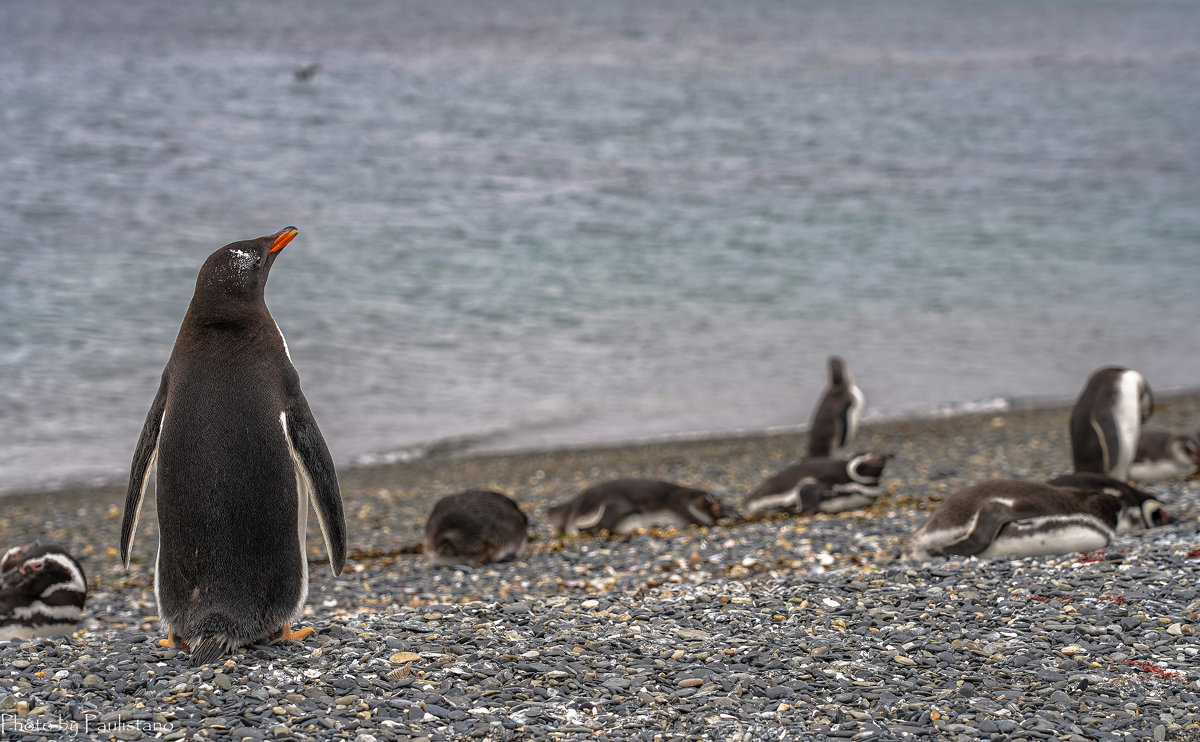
(244, 260)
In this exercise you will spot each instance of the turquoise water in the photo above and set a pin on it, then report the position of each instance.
(545, 223)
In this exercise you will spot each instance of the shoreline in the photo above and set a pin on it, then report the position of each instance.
(373, 471)
(781, 628)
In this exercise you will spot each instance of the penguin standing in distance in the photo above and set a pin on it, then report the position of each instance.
(820, 485)
(238, 456)
(622, 506)
(1162, 454)
(476, 527)
(1107, 419)
(1017, 518)
(42, 592)
(835, 419)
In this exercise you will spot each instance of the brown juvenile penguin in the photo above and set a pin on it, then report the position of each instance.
(475, 527)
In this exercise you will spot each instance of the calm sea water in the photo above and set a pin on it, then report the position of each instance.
(535, 223)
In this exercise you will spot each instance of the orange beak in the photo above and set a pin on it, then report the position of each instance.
(283, 238)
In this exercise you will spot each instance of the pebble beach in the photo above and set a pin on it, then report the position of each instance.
(782, 628)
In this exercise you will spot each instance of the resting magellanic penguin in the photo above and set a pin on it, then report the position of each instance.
(1017, 518)
(625, 505)
(42, 592)
(820, 485)
(1162, 454)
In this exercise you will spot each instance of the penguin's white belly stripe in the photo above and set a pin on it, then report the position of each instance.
(845, 501)
(664, 519)
(303, 488)
(781, 501)
(286, 352)
(856, 410)
(1052, 534)
(38, 608)
(1128, 417)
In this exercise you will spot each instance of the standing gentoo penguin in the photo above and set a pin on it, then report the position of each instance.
(1162, 454)
(1017, 518)
(476, 526)
(1106, 419)
(835, 419)
(624, 505)
(42, 592)
(820, 485)
(239, 456)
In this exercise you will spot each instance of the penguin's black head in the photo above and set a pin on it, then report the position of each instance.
(837, 370)
(238, 271)
(867, 466)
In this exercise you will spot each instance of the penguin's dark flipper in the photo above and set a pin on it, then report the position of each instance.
(987, 523)
(144, 458)
(810, 496)
(1104, 423)
(615, 511)
(316, 467)
(842, 427)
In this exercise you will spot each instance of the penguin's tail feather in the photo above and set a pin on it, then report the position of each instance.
(213, 636)
(208, 650)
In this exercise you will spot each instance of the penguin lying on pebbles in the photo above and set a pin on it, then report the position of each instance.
(1106, 420)
(1162, 454)
(835, 418)
(820, 485)
(1018, 518)
(42, 592)
(239, 456)
(476, 527)
(624, 505)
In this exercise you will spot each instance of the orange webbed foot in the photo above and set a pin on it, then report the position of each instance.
(174, 642)
(287, 635)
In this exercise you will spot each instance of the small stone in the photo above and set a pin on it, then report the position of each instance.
(690, 682)
(1160, 733)
(902, 660)
(346, 700)
(1175, 629)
